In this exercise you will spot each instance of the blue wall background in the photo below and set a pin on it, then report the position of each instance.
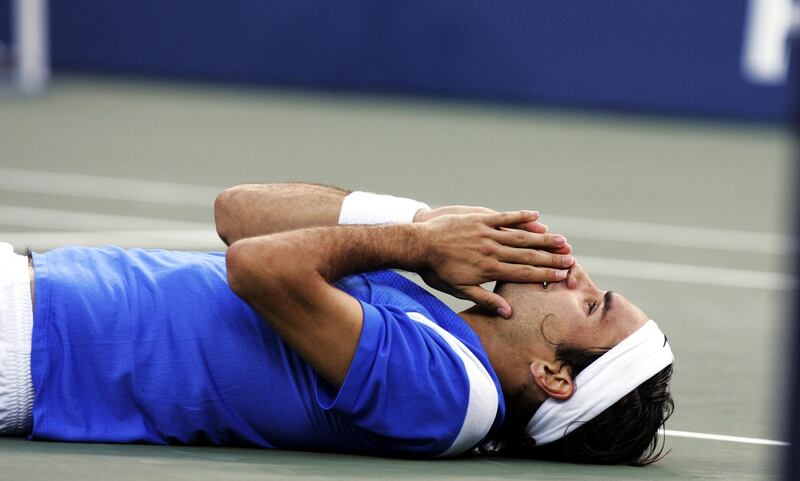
(677, 56)
(5, 25)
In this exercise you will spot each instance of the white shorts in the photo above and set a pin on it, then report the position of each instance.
(16, 327)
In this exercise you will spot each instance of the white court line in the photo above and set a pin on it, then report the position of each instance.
(671, 235)
(34, 217)
(171, 193)
(116, 188)
(203, 237)
(198, 240)
(683, 273)
(722, 437)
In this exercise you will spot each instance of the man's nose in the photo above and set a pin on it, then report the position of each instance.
(580, 277)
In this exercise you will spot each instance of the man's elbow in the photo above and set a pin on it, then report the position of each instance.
(239, 267)
(257, 267)
(225, 215)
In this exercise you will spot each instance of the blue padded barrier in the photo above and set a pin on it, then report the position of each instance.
(678, 56)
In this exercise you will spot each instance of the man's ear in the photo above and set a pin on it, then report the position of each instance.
(553, 378)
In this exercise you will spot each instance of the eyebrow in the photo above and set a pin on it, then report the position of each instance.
(607, 301)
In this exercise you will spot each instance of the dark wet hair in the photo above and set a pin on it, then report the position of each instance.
(625, 433)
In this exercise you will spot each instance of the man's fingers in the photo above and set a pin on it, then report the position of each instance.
(567, 249)
(526, 273)
(488, 300)
(534, 257)
(510, 219)
(521, 238)
(534, 226)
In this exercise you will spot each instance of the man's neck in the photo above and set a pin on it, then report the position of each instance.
(511, 370)
(479, 322)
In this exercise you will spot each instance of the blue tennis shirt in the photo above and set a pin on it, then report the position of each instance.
(152, 346)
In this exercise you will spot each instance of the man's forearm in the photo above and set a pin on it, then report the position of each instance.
(286, 278)
(287, 261)
(258, 209)
(251, 210)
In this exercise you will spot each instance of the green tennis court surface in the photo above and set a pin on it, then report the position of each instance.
(27, 460)
(686, 218)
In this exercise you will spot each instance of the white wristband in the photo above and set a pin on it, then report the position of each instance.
(367, 208)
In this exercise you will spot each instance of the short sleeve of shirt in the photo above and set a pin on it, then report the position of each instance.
(413, 388)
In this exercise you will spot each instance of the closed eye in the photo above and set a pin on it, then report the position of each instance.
(592, 307)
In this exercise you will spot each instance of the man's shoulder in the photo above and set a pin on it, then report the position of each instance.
(390, 289)
(384, 287)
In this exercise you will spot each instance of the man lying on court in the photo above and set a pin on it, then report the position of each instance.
(299, 338)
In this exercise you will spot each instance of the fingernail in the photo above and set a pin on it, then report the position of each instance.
(567, 261)
(560, 275)
(559, 240)
(502, 311)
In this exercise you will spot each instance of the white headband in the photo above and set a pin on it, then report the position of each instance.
(619, 371)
